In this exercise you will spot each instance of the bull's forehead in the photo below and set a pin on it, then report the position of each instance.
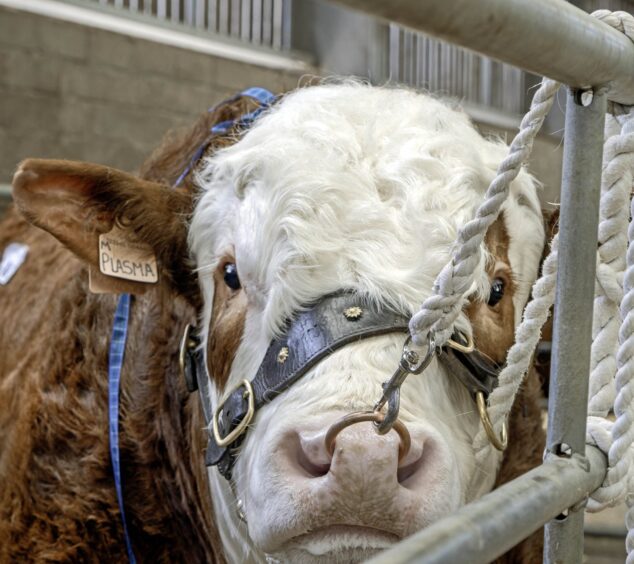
(353, 186)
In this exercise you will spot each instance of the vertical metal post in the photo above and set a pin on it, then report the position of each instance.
(568, 396)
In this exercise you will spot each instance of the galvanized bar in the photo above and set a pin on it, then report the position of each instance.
(223, 17)
(161, 9)
(175, 15)
(256, 22)
(212, 17)
(267, 22)
(572, 337)
(199, 13)
(278, 19)
(287, 17)
(188, 12)
(488, 527)
(245, 20)
(549, 37)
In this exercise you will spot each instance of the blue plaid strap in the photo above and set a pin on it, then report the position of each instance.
(115, 362)
(261, 95)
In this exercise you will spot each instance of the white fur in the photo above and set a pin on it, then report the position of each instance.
(348, 186)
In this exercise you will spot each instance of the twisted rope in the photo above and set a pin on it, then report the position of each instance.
(617, 439)
(616, 184)
(439, 312)
(620, 453)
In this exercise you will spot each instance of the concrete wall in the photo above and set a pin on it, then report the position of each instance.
(79, 92)
(76, 92)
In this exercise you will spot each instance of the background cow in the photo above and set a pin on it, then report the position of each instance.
(337, 187)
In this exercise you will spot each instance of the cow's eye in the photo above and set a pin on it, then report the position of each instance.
(231, 276)
(497, 291)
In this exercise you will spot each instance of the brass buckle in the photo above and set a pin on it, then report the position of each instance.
(242, 426)
(500, 442)
(468, 348)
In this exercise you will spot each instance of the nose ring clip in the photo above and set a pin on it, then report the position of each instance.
(410, 363)
(360, 417)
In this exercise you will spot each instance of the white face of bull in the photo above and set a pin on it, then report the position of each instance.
(349, 187)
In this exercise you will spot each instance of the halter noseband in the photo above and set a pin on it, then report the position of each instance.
(314, 333)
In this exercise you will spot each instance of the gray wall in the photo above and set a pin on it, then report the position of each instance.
(75, 92)
(70, 91)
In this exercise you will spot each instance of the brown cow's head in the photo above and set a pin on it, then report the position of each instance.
(338, 187)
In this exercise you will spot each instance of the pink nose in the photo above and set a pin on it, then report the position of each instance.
(359, 454)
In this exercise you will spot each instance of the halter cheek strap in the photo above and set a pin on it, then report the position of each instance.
(314, 333)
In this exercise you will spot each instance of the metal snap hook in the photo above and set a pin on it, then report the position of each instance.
(360, 417)
(410, 363)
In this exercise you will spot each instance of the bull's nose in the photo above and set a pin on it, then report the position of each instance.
(358, 450)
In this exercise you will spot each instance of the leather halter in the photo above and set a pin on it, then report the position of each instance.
(314, 333)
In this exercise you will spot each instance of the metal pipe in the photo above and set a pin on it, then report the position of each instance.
(546, 37)
(572, 334)
(488, 527)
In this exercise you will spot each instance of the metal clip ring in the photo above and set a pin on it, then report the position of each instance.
(410, 363)
(500, 442)
(359, 417)
(468, 348)
(410, 360)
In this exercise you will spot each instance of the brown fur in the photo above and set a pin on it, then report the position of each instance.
(227, 324)
(57, 497)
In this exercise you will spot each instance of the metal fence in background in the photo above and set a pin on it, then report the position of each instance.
(612, 5)
(424, 62)
(419, 60)
(261, 23)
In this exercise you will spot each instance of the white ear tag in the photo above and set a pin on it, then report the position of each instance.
(12, 258)
(122, 258)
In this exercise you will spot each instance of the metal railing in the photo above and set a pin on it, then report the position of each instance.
(264, 23)
(555, 39)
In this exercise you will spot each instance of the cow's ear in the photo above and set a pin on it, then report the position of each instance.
(77, 202)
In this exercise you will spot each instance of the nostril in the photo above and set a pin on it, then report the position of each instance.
(311, 456)
(314, 469)
(408, 469)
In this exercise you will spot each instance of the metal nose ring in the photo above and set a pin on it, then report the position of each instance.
(360, 417)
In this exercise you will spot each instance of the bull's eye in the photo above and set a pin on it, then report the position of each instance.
(231, 276)
(497, 291)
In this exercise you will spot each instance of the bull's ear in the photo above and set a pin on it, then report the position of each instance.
(77, 202)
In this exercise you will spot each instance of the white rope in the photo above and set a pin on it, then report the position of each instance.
(616, 184)
(439, 312)
(620, 453)
(616, 187)
(616, 439)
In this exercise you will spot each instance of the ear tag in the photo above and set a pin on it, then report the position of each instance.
(122, 257)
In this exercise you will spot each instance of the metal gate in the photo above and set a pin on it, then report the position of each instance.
(555, 39)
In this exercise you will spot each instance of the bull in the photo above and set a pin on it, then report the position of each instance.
(298, 248)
